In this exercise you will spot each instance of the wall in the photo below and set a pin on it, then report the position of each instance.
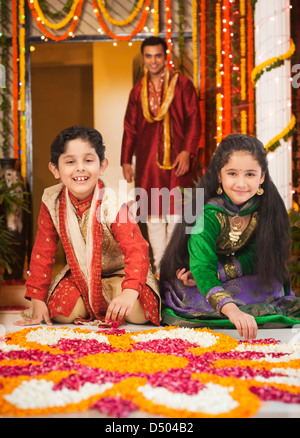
(62, 95)
(112, 83)
(78, 83)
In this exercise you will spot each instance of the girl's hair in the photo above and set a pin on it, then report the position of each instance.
(272, 232)
(84, 133)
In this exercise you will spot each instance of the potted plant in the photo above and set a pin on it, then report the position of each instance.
(13, 203)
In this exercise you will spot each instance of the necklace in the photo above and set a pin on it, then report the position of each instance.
(236, 225)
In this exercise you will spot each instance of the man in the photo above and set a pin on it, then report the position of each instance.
(162, 128)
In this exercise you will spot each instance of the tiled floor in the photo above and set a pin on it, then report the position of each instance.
(269, 410)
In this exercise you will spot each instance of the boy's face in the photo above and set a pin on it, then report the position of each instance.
(79, 168)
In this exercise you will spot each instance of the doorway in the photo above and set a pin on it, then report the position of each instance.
(86, 83)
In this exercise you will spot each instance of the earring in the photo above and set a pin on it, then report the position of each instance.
(260, 191)
(219, 190)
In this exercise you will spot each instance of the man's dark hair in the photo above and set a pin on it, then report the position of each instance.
(154, 41)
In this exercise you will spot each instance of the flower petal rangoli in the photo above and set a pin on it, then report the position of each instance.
(170, 372)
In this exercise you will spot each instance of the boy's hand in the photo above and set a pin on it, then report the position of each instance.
(245, 323)
(39, 313)
(121, 306)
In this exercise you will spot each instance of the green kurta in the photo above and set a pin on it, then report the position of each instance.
(226, 271)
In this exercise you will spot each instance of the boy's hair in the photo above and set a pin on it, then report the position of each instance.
(154, 41)
(85, 133)
(272, 232)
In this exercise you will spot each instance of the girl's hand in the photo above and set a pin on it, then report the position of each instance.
(245, 324)
(186, 277)
(121, 306)
(39, 313)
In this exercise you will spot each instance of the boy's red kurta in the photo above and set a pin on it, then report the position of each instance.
(62, 302)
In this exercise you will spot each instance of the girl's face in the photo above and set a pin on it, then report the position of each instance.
(79, 168)
(241, 177)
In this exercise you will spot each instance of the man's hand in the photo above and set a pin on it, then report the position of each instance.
(39, 313)
(128, 172)
(182, 163)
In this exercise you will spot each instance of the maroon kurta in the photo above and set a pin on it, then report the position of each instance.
(144, 139)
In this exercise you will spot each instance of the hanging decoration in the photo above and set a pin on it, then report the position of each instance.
(271, 63)
(129, 19)
(101, 13)
(219, 109)
(169, 32)
(232, 37)
(227, 67)
(202, 70)
(181, 39)
(15, 67)
(41, 24)
(46, 22)
(114, 36)
(195, 43)
(156, 17)
(250, 63)
(257, 72)
(285, 134)
(22, 69)
(226, 25)
(4, 97)
(243, 49)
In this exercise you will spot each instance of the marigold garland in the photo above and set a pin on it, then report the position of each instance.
(114, 36)
(15, 68)
(202, 70)
(244, 119)
(22, 73)
(243, 49)
(129, 19)
(46, 22)
(285, 134)
(169, 31)
(218, 45)
(271, 63)
(250, 63)
(227, 70)
(195, 43)
(156, 17)
(165, 372)
(219, 102)
(50, 35)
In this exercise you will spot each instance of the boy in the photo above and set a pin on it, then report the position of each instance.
(107, 257)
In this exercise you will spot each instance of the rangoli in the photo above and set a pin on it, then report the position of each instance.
(171, 372)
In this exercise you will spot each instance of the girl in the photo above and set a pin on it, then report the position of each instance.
(234, 266)
(107, 277)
